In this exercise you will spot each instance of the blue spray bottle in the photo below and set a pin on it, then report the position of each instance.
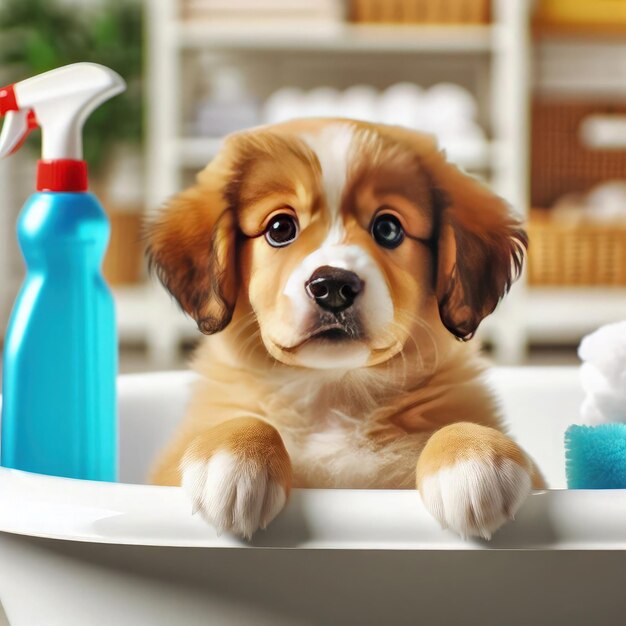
(60, 350)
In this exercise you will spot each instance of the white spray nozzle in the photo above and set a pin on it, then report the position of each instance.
(59, 101)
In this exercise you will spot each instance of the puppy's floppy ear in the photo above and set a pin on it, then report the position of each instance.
(480, 251)
(192, 247)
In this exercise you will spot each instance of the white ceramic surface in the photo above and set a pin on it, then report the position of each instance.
(157, 564)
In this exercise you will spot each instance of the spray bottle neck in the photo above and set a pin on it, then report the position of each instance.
(69, 175)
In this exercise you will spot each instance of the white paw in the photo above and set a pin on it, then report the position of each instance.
(474, 498)
(234, 495)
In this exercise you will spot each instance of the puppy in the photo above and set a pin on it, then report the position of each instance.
(338, 268)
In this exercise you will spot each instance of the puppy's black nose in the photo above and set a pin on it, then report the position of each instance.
(333, 289)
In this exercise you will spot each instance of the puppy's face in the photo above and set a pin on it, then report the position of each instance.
(348, 241)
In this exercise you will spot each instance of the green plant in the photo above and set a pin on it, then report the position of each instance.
(39, 35)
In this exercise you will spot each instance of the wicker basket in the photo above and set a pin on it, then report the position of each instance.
(560, 163)
(420, 11)
(564, 254)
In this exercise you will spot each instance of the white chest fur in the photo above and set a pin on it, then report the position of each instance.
(333, 457)
(338, 454)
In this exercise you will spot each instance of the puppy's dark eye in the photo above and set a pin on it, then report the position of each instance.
(281, 230)
(387, 231)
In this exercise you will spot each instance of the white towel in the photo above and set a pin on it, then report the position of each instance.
(446, 110)
(603, 374)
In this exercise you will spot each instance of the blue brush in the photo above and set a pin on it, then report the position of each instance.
(595, 456)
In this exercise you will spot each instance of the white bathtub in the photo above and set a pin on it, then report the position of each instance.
(89, 554)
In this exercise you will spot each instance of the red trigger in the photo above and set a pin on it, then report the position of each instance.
(31, 124)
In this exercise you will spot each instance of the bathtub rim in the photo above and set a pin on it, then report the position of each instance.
(120, 513)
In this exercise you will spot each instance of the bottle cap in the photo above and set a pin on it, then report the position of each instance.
(62, 175)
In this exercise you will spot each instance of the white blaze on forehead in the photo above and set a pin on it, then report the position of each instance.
(332, 146)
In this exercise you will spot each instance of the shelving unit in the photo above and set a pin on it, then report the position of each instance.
(499, 53)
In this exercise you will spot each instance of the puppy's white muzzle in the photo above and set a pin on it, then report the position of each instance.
(363, 286)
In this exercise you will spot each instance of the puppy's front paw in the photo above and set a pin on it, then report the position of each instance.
(233, 494)
(243, 484)
(472, 479)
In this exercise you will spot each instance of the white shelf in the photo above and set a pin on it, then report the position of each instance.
(569, 66)
(558, 314)
(335, 37)
(196, 152)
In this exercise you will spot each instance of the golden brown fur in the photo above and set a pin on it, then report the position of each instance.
(419, 388)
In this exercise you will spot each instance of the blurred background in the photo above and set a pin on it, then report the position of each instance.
(529, 96)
